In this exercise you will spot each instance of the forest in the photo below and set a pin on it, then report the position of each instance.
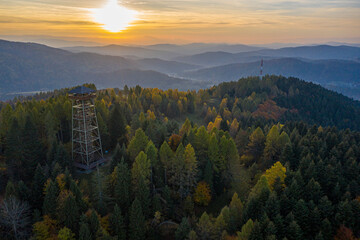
(255, 159)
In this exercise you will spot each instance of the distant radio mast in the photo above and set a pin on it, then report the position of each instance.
(261, 68)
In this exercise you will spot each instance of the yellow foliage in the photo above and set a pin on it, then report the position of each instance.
(234, 127)
(276, 171)
(202, 195)
(150, 115)
(210, 126)
(104, 222)
(45, 229)
(60, 179)
(227, 114)
(46, 185)
(217, 122)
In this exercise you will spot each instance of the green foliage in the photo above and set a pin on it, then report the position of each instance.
(50, 204)
(117, 223)
(183, 229)
(136, 221)
(137, 144)
(122, 185)
(116, 126)
(298, 182)
(277, 171)
(66, 234)
(246, 230)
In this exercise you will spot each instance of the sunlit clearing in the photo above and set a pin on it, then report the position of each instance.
(114, 17)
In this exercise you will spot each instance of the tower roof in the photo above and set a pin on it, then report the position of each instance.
(82, 90)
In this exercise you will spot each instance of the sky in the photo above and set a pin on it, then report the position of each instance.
(181, 21)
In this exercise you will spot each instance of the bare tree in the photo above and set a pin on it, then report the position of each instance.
(14, 216)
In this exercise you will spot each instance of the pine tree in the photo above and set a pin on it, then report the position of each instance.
(272, 207)
(136, 221)
(37, 187)
(94, 224)
(137, 144)
(205, 227)
(32, 148)
(185, 129)
(166, 157)
(49, 205)
(201, 144)
(208, 174)
(122, 185)
(142, 193)
(246, 230)
(119, 154)
(213, 153)
(156, 166)
(183, 229)
(236, 212)
(99, 193)
(256, 145)
(141, 169)
(23, 192)
(14, 152)
(71, 213)
(84, 232)
(117, 223)
(256, 233)
(294, 231)
(116, 127)
(62, 157)
(190, 170)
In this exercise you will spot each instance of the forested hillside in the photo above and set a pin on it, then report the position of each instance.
(276, 158)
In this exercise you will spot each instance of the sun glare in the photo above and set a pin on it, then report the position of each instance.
(114, 17)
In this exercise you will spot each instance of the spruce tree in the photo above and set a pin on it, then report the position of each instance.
(50, 200)
(116, 127)
(142, 193)
(33, 151)
(37, 187)
(117, 157)
(62, 157)
(117, 224)
(122, 185)
(294, 231)
(136, 221)
(71, 213)
(183, 229)
(137, 144)
(84, 232)
(94, 224)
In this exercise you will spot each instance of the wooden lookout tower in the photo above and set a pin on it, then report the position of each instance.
(86, 143)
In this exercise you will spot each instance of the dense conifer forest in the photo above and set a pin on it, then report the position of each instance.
(276, 158)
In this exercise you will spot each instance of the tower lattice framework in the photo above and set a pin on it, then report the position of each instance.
(86, 142)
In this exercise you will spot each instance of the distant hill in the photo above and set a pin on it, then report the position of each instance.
(197, 48)
(212, 59)
(32, 67)
(320, 52)
(303, 101)
(335, 74)
(314, 52)
(168, 67)
(119, 50)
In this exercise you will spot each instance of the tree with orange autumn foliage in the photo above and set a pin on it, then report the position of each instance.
(344, 233)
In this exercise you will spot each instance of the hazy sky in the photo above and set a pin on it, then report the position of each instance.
(185, 21)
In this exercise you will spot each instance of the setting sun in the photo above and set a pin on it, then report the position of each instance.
(114, 17)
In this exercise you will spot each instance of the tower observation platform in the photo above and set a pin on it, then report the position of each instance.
(87, 151)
